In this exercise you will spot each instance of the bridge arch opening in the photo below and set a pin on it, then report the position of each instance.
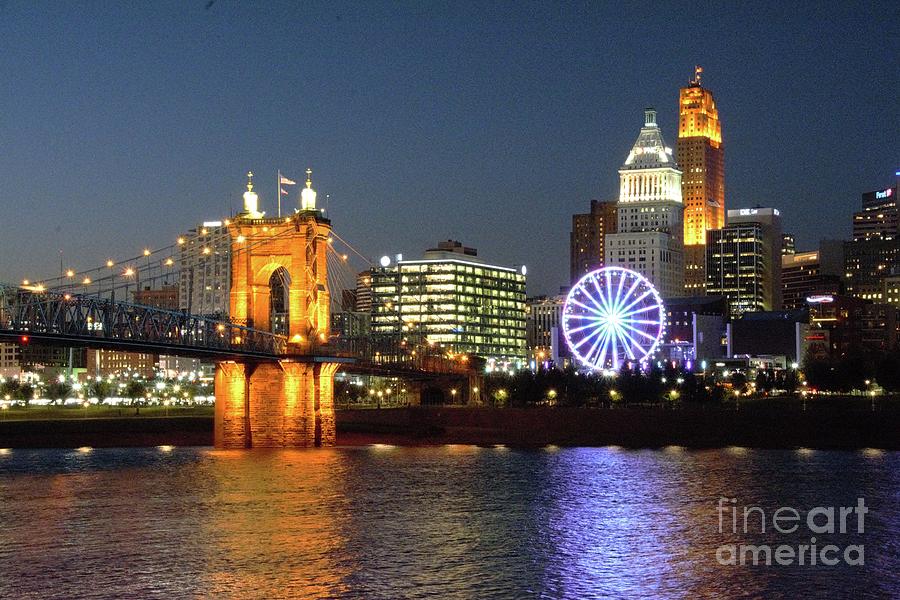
(279, 301)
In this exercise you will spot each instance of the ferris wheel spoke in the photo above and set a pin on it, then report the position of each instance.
(640, 332)
(638, 299)
(601, 343)
(633, 344)
(618, 300)
(643, 321)
(587, 338)
(602, 305)
(595, 324)
(640, 310)
(609, 299)
(630, 291)
(615, 349)
(586, 307)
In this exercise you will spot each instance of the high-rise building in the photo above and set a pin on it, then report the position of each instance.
(866, 265)
(364, 292)
(701, 157)
(649, 229)
(874, 253)
(454, 298)
(743, 260)
(879, 218)
(543, 329)
(204, 260)
(805, 275)
(588, 238)
(788, 244)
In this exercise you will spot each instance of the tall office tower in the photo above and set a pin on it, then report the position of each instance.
(788, 244)
(874, 253)
(879, 218)
(649, 230)
(588, 238)
(363, 292)
(701, 156)
(743, 260)
(204, 259)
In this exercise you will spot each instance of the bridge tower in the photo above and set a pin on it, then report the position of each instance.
(279, 284)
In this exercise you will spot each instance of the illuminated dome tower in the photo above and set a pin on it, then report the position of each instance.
(649, 213)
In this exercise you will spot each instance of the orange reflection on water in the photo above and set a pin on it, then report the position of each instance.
(273, 529)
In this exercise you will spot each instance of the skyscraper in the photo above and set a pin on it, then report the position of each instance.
(588, 238)
(700, 155)
(874, 252)
(743, 260)
(649, 230)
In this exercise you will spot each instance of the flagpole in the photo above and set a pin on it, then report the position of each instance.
(278, 189)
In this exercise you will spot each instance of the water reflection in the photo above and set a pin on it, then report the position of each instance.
(450, 522)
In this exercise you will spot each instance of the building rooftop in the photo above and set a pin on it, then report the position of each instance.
(649, 150)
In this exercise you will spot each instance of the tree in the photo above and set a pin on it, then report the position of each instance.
(59, 390)
(100, 389)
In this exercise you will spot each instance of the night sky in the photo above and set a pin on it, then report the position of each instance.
(125, 124)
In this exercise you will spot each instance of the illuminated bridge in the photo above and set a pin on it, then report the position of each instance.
(275, 353)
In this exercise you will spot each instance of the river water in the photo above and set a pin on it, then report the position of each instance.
(445, 522)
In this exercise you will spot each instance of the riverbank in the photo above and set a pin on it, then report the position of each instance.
(839, 426)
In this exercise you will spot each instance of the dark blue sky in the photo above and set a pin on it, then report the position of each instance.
(124, 124)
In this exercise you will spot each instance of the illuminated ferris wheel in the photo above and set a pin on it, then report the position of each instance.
(613, 315)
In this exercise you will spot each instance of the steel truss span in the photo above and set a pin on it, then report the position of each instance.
(95, 322)
(612, 316)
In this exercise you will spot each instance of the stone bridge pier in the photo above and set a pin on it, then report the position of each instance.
(274, 404)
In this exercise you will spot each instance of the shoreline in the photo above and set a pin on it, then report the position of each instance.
(825, 428)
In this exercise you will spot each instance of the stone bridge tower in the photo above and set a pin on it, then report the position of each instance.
(279, 283)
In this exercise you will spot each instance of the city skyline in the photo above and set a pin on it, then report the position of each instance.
(499, 133)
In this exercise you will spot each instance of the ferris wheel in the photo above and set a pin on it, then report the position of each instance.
(613, 315)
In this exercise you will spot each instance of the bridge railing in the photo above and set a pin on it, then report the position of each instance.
(85, 318)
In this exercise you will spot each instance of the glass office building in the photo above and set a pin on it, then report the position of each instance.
(453, 298)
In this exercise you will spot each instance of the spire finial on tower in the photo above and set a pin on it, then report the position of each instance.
(649, 117)
(308, 194)
(698, 72)
(251, 200)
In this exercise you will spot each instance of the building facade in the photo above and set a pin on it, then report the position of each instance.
(879, 218)
(743, 260)
(788, 244)
(649, 213)
(587, 241)
(701, 157)
(10, 365)
(454, 298)
(866, 265)
(803, 275)
(874, 253)
(544, 330)
(204, 260)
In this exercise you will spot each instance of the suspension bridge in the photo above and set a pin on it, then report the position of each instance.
(272, 344)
